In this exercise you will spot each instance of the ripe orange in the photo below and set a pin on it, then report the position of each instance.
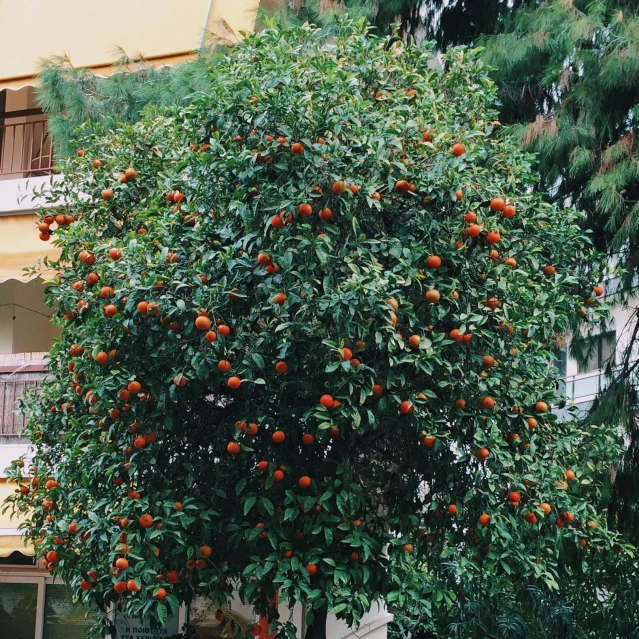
(378, 390)
(460, 403)
(140, 442)
(432, 296)
(511, 261)
(339, 187)
(549, 270)
(277, 222)
(493, 237)
(473, 230)
(482, 454)
(429, 441)
(234, 382)
(304, 482)
(119, 586)
(172, 577)
(281, 367)
(514, 496)
(497, 204)
(459, 195)
(297, 148)
(452, 509)
(405, 407)
(110, 310)
(305, 209)
(224, 330)
(414, 341)
(132, 586)
(545, 507)
(402, 186)
(85, 585)
(224, 366)
(434, 261)
(101, 358)
(106, 292)
(509, 211)
(570, 475)
(484, 519)
(107, 194)
(278, 437)
(427, 137)
(326, 401)
(409, 548)
(598, 290)
(279, 298)
(325, 214)
(122, 563)
(532, 422)
(488, 361)
(458, 149)
(146, 521)
(115, 253)
(203, 323)
(541, 407)
(470, 217)
(307, 439)
(52, 556)
(233, 448)
(131, 173)
(531, 518)
(486, 402)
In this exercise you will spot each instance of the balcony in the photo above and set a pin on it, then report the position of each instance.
(25, 145)
(17, 373)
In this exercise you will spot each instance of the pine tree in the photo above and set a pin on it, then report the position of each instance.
(568, 74)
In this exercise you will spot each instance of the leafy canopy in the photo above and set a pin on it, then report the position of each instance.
(302, 341)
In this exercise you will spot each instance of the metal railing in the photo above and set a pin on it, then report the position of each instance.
(25, 148)
(584, 385)
(18, 372)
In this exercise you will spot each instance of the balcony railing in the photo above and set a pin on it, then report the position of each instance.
(17, 373)
(25, 147)
(584, 385)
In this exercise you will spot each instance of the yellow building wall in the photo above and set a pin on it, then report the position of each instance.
(92, 34)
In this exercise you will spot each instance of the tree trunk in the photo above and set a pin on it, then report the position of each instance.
(317, 630)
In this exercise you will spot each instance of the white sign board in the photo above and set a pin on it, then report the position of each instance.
(137, 629)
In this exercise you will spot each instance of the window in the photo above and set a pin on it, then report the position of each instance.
(64, 619)
(599, 352)
(18, 604)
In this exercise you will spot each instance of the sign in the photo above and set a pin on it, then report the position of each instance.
(132, 628)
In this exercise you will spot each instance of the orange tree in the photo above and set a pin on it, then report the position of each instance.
(307, 329)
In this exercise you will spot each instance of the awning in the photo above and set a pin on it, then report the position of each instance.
(10, 538)
(94, 34)
(21, 247)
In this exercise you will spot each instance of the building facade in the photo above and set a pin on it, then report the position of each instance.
(162, 32)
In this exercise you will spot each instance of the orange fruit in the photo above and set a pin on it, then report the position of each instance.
(278, 437)
(307, 439)
(305, 209)
(570, 475)
(378, 390)
(115, 253)
(545, 507)
(326, 401)
(460, 404)
(541, 407)
(514, 496)
(224, 366)
(452, 509)
(497, 204)
(531, 518)
(122, 563)
(493, 237)
(281, 367)
(414, 341)
(402, 186)
(409, 548)
(458, 149)
(549, 270)
(434, 261)
(107, 194)
(484, 519)
(405, 407)
(203, 323)
(297, 148)
(339, 187)
(233, 448)
(509, 211)
(119, 586)
(482, 454)
(234, 382)
(146, 521)
(311, 569)
(279, 298)
(101, 358)
(432, 296)
(325, 214)
(304, 482)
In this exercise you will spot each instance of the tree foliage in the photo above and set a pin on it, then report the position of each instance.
(569, 82)
(308, 321)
